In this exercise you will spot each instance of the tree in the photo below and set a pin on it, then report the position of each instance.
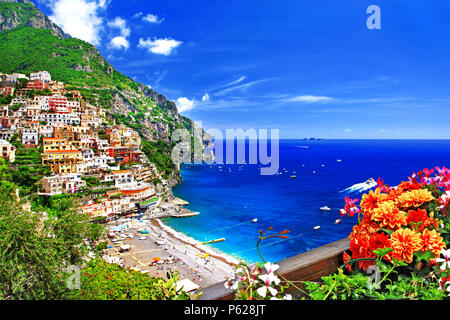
(35, 249)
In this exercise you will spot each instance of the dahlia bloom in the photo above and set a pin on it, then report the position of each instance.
(415, 198)
(431, 240)
(389, 215)
(404, 243)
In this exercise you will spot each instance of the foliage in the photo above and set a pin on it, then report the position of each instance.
(35, 249)
(252, 282)
(397, 245)
(159, 153)
(26, 50)
(91, 181)
(103, 281)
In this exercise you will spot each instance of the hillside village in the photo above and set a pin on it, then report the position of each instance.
(81, 147)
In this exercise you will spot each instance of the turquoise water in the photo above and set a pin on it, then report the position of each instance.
(230, 197)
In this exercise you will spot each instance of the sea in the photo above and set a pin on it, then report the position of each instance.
(229, 197)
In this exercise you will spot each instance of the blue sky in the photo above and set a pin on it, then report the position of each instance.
(308, 68)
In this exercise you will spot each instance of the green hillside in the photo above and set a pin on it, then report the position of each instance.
(72, 61)
(23, 13)
(80, 66)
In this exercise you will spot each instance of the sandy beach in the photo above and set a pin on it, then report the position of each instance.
(176, 253)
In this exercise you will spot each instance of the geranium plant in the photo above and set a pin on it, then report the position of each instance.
(259, 281)
(401, 235)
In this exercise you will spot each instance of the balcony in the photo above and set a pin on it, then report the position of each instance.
(308, 266)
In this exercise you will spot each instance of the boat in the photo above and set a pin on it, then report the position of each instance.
(325, 208)
(316, 228)
(339, 160)
(143, 231)
(293, 177)
(142, 238)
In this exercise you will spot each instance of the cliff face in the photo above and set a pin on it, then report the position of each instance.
(29, 42)
(23, 13)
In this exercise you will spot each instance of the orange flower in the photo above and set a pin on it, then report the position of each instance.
(404, 243)
(371, 200)
(420, 215)
(347, 258)
(389, 215)
(414, 198)
(432, 241)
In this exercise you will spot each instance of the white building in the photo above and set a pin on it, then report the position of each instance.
(53, 118)
(120, 178)
(65, 183)
(92, 162)
(43, 76)
(30, 136)
(15, 76)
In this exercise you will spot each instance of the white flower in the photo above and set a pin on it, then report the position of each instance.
(263, 291)
(268, 280)
(286, 297)
(271, 268)
(233, 285)
(446, 261)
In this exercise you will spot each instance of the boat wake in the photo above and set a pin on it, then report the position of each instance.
(360, 187)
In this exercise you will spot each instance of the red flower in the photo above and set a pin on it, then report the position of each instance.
(347, 258)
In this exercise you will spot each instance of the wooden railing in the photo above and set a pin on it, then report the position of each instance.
(307, 266)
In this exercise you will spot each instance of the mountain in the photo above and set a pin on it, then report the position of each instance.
(23, 13)
(30, 42)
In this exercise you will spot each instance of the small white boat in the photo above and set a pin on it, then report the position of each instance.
(339, 160)
(293, 177)
(316, 228)
(325, 208)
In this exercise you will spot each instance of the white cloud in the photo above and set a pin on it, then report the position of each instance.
(184, 104)
(241, 87)
(152, 18)
(205, 97)
(309, 99)
(119, 43)
(121, 24)
(159, 46)
(79, 18)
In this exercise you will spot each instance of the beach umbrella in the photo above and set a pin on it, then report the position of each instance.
(156, 259)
